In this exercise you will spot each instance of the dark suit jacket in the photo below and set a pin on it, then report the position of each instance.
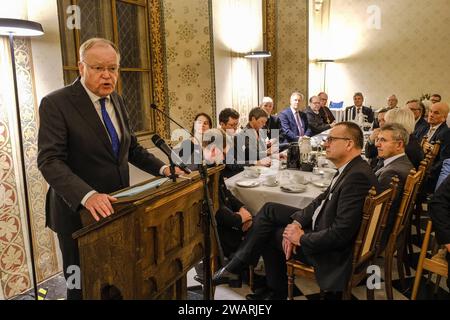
(399, 167)
(289, 125)
(330, 246)
(273, 123)
(350, 113)
(75, 155)
(440, 212)
(229, 223)
(315, 122)
(421, 129)
(327, 115)
(443, 135)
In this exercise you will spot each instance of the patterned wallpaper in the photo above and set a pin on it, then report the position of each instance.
(386, 47)
(15, 267)
(188, 59)
(288, 70)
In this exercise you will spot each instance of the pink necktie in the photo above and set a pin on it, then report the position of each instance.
(299, 124)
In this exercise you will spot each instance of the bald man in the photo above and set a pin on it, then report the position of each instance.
(439, 131)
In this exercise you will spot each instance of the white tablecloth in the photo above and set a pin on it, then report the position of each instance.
(255, 198)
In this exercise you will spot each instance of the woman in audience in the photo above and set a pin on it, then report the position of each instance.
(405, 117)
(189, 150)
(370, 150)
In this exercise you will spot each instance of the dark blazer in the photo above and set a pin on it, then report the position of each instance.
(327, 115)
(439, 210)
(289, 125)
(439, 133)
(315, 122)
(229, 222)
(249, 147)
(421, 129)
(75, 155)
(329, 247)
(350, 113)
(443, 135)
(273, 123)
(399, 167)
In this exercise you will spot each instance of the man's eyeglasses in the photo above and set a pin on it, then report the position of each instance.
(101, 69)
(330, 139)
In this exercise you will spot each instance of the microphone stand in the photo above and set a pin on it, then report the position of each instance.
(207, 215)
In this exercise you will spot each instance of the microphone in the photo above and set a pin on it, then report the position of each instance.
(161, 144)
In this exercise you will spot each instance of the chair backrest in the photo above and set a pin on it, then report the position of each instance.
(430, 148)
(376, 208)
(336, 105)
(407, 203)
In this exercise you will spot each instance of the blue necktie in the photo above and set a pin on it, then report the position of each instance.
(110, 127)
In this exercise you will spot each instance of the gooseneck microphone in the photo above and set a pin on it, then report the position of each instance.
(162, 145)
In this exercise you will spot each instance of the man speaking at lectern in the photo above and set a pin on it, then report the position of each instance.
(84, 146)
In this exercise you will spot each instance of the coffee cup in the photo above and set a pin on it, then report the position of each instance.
(250, 172)
(298, 179)
(271, 180)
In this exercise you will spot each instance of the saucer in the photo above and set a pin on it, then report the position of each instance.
(276, 184)
(247, 183)
(321, 183)
(293, 188)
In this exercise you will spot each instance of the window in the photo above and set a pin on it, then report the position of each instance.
(126, 23)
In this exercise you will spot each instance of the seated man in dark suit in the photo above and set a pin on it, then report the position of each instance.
(294, 123)
(233, 219)
(322, 233)
(352, 113)
(438, 131)
(391, 142)
(315, 121)
(273, 123)
(439, 211)
(421, 127)
(325, 112)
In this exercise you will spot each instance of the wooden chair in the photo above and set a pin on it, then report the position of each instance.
(397, 239)
(430, 156)
(437, 264)
(365, 247)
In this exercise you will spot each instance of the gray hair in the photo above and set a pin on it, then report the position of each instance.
(296, 93)
(266, 100)
(88, 44)
(399, 132)
(402, 116)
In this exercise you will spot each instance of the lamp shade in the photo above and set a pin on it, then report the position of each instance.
(20, 28)
(258, 55)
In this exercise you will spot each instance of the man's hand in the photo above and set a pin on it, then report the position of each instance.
(448, 247)
(374, 135)
(288, 247)
(100, 204)
(293, 233)
(245, 215)
(266, 162)
(247, 225)
(178, 171)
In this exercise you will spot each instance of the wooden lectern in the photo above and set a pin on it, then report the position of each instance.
(145, 249)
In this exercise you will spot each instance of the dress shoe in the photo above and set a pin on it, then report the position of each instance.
(232, 283)
(264, 294)
(224, 276)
